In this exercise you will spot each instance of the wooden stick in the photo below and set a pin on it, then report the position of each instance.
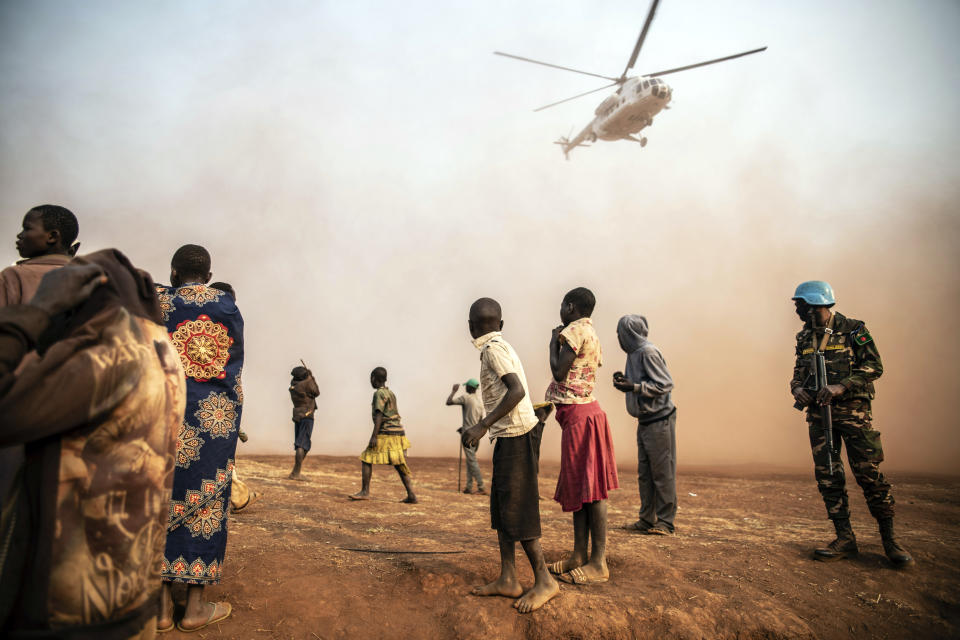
(459, 465)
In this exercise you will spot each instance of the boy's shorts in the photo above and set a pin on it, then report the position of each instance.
(514, 492)
(302, 430)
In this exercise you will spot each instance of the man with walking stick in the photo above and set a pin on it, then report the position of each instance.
(471, 406)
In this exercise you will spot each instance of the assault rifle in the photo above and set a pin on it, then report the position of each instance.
(826, 413)
(818, 378)
(816, 381)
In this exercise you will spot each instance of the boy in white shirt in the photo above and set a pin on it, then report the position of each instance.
(514, 492)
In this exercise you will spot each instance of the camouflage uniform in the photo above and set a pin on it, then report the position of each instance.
(852, 360)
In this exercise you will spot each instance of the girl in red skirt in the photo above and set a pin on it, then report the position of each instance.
(588, 470)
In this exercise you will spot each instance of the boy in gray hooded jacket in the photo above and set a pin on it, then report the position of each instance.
(647, 385)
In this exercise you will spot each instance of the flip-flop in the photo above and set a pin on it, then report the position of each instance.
(211, 620)
(556, 568)
(356, 497)
(253, 497)
(172, 626)
(657, 531)
(578, 577)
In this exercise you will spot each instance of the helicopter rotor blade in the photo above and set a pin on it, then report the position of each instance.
(555, 66)
(703, 64)
(586, 93)
(643, 36)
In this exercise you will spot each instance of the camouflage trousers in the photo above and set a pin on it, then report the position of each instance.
(852, 426)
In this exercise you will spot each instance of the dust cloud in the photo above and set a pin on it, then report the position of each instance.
(358, 208)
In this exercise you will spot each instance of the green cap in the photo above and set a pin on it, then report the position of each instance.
(472, 382)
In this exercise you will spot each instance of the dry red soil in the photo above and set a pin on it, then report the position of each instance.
(739, 566)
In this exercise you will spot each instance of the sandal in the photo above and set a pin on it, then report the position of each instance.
(639, 526)
(211, 619)
(556, 568)
(577, 576)
(253, 497)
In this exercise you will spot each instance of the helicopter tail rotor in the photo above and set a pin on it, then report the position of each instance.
(566, 146)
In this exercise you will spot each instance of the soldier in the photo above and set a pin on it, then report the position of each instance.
(852, 364)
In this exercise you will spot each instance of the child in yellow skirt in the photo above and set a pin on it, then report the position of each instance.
(388, 443)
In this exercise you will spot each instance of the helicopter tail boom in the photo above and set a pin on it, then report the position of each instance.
(569, 145)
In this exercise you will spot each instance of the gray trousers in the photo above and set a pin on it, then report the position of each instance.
(473, 467)
(657, 470)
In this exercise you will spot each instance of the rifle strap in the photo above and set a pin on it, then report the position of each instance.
(827, 332)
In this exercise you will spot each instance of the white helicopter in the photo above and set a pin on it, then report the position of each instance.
(635, 102)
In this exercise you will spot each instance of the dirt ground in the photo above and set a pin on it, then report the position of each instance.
(739, 566)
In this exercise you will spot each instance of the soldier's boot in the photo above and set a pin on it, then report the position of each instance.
(843, 546)
(897, 554)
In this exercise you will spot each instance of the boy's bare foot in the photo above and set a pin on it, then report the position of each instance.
(500, 587)
(536, 597)
(410, 500)
(360, 495)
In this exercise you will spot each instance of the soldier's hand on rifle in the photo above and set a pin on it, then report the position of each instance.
(829, 392)
(802, 396)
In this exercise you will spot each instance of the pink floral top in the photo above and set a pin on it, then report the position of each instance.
(578, 386)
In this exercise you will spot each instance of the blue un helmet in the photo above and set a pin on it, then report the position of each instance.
(816, 293)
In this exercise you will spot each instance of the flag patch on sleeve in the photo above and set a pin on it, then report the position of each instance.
(861, 336)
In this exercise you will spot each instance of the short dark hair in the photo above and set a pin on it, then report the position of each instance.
(57, 218)
(191, 260)
(379, 374)
(582, 300)
(299, 373)
(225, 287)
(486, 311)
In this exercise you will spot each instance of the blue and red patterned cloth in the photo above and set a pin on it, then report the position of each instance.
(206, 329)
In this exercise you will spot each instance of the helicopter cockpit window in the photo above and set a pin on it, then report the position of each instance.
(645, 84)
